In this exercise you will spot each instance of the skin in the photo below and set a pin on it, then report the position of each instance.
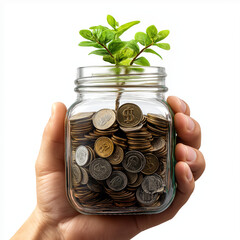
(54, 218)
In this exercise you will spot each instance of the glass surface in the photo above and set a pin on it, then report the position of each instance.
(120, 142)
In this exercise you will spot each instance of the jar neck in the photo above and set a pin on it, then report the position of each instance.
(109, 81)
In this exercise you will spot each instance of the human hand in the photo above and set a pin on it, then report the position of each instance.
(54, 218)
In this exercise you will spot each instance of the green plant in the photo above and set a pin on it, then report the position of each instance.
(124, 53)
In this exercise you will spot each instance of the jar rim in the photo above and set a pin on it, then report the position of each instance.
(112, 77)
(92, 71)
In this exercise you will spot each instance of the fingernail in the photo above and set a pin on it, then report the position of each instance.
(191, 154)
(190, 124)
(183, 106)
(189, 174)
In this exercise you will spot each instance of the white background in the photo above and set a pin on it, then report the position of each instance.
(39, 55)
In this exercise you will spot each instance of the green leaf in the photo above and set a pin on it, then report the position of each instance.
(143, 38)
(152, 32)
(164, 46)
(126, 62)
(98, 33)
(99, 27)
(109, 35)
(86, 34)
(142, 61)
(115, 46)
(133, 45)
(125, 27)
(112, 22)
(100, 52)
(89, 44)
(161, 35)
(148, 50)
(108, 58)
(125, 53)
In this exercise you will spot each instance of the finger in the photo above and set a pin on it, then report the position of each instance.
(192, 157)
(185, 188)
(188, 130)
(51, 155)
(178, 105)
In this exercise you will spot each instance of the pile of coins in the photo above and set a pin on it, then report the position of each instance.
(119, 158)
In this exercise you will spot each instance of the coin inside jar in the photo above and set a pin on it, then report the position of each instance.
(117, 181)
(76, 172)
(129, 115)
(117, 156)
(145, 198)
(152, 164)
(100, 169)
(104, 119)
(152, 184)
(82, 155)
(134, 161)
(104, 147)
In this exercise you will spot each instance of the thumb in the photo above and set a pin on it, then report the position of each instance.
(51, 154)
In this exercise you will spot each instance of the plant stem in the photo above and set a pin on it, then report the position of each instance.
(131, 63)
(117, 101)
(105, 48)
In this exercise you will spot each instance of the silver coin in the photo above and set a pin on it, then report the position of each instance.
(117, 181)
(82, 156)
(152, 184)
(100, 169)
(84, 176)
(134, 161)
(104, 119)
(146, 198)
(81, 116)
(76, 172)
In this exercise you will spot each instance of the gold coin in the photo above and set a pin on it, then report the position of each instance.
(152, 164)
(129, 115)
(104, 119)
(117, 156)
(104, 147)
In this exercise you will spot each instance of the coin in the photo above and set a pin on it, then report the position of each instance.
(117, 156)
(134, 161)
(85, 177)
(76, 172)
(100, 169)
(152, 184)
(82, 155)
(81, 116)
(104, 119)
(129, 115)
(132, 129)
(144, 198)
(94, 186)
(152, 164)
(104, 147)
(158, 144)
(132, 177)
(117, 181)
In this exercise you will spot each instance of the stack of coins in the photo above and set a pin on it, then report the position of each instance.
(80, 124)
(119, 158)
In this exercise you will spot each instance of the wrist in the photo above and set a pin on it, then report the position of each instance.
(38, 227)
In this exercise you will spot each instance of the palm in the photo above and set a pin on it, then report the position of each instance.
(53, 201)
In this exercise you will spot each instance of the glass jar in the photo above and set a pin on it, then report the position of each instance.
(120, 142)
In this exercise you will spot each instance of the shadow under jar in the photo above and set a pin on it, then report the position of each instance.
(120, 142)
